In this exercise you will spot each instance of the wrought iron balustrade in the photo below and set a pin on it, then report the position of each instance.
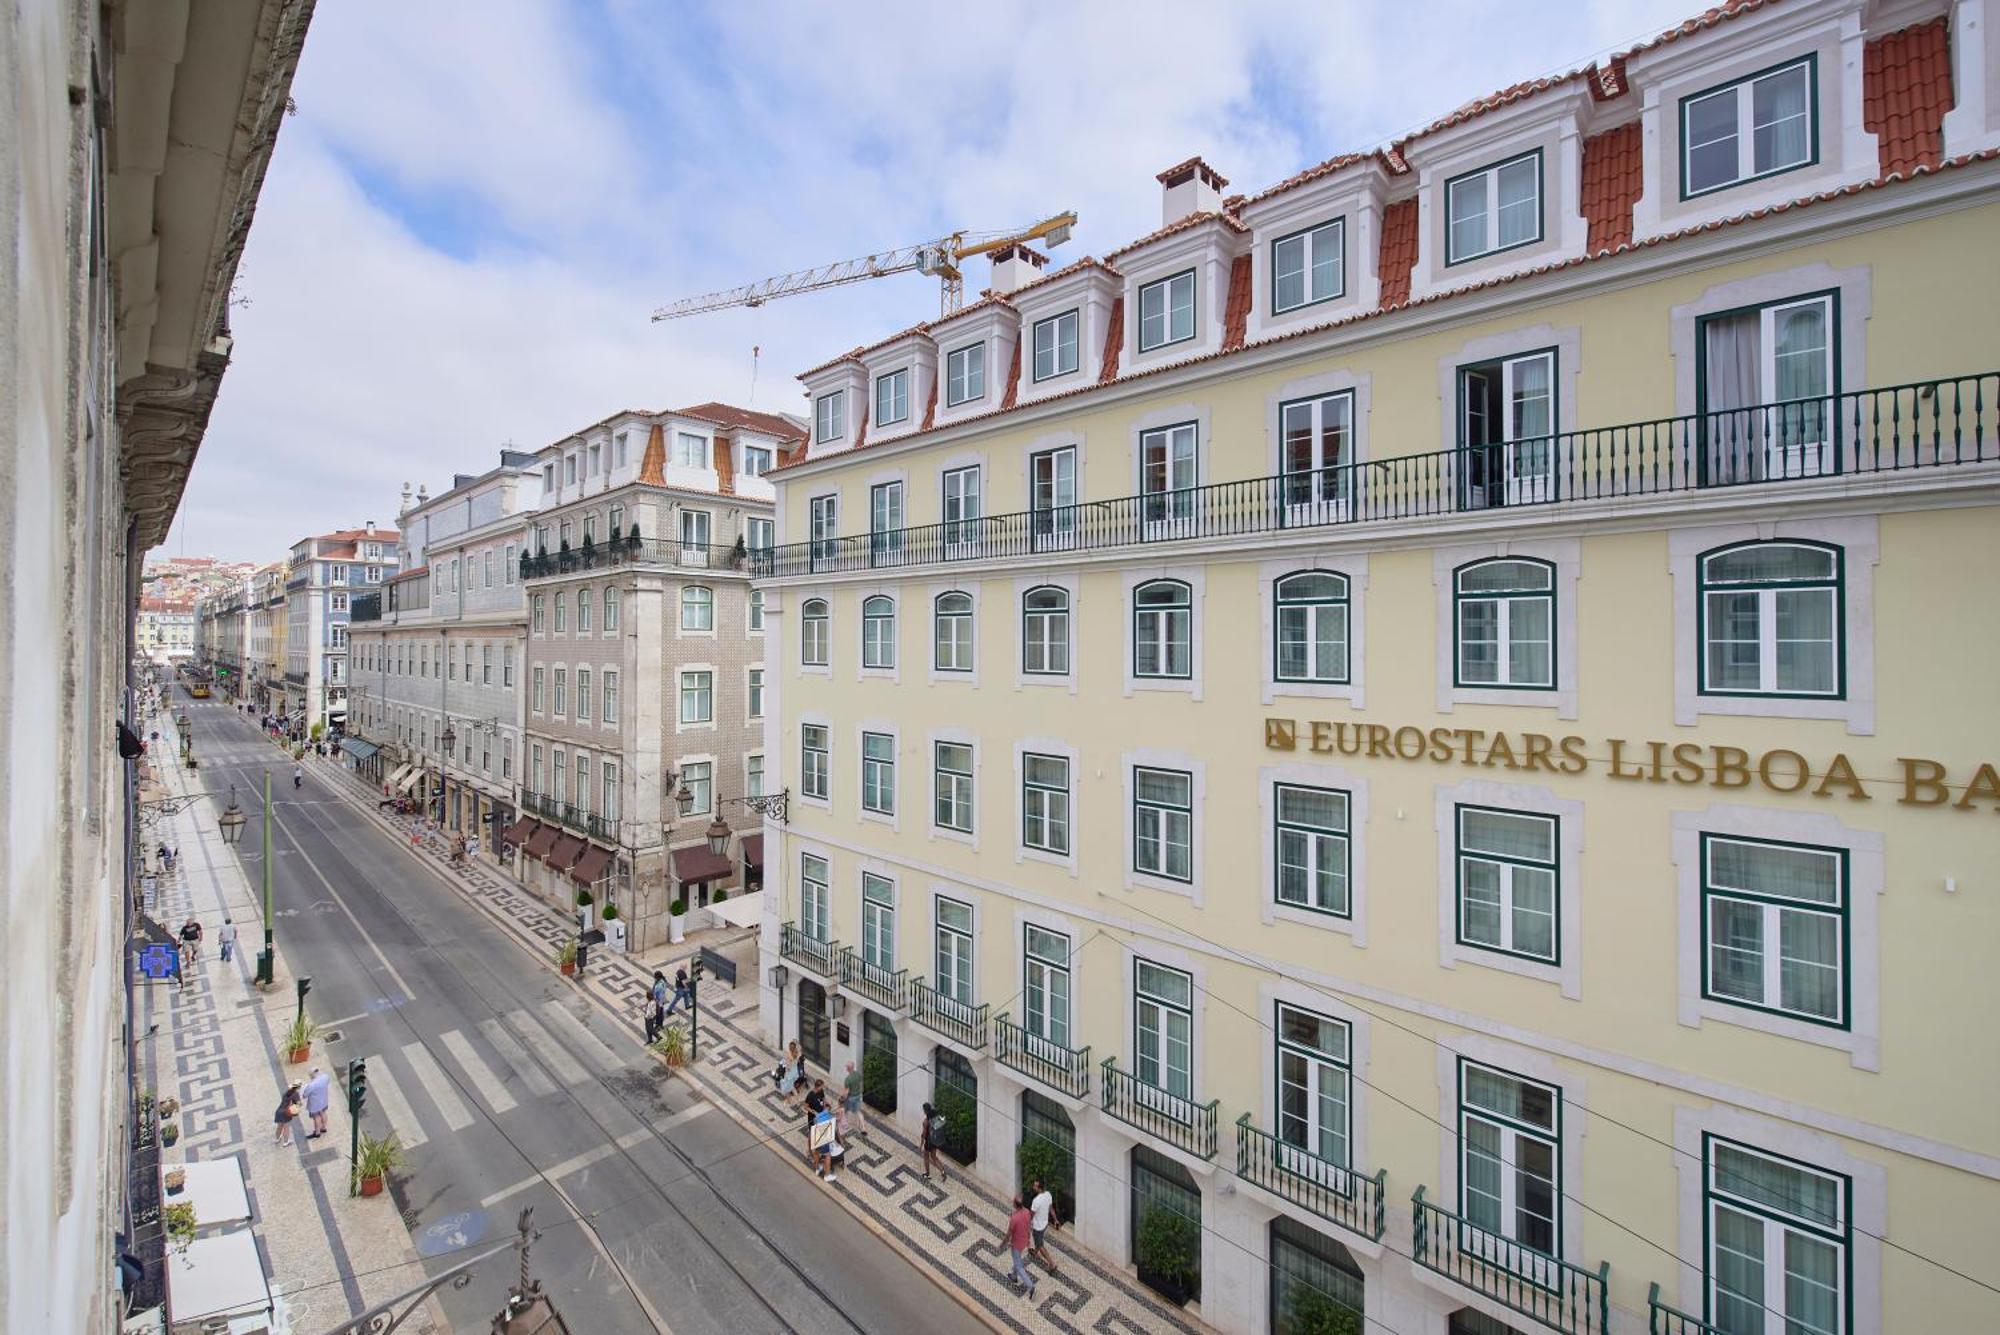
(615, 552)
(1664, 1320)
(889, 988)
(1063, 1069)
(1173, 1118)
(948, 1015)
(822, 957)
(1332, 1191)
(1545, 1288)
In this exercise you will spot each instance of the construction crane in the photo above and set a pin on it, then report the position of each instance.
(938, 259)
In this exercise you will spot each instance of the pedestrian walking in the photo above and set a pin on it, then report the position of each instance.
(318, 1094)
(1042, 1218)
(683, 994)
(472, 847)
(932, 1133)
(191, 940)
(1020, 1235)
(288, 1108)
(850, 1101)
(298, 776)
(790, 1067)
(226, 935)
(822, 1147)
(656, 1020)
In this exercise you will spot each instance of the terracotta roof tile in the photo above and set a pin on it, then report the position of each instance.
(1236, 314)
(1192, 220)
(1182, 170)
(1311, 174)
(1614, 176)
(728, 414)
(653, 464)
(1013, 392)
(1701, 22)
(1114, 342)
(1905, 92)
(1074, 266)
(725, 468)
(853, 354)
(930, 407)
(1399, 251)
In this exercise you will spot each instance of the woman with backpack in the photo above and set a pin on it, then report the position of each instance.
(933, 1132)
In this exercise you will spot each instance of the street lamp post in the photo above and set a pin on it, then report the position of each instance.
(267, 962)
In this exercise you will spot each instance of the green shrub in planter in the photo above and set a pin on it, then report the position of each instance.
(678, 908)
(720, 895)
(584, 899)
(610, 912)
(1169, 1248)
(1314, 1313)
(1039, 1157)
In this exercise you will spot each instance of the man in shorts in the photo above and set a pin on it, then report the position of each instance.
(1041, 1218)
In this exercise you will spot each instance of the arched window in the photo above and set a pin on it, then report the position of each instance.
(1045, 631)
(1504, 624)
(878, 632)
(1771, 620)
(582, 610)
(815, 633)
(611, 609)
(1312, 627)
(697, 607)
(1163, 629)
(953, 615)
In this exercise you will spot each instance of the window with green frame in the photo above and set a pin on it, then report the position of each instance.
(878, 773)
(878, 632)
(1493, 209)
(1163, 823)
(1779, 1243)
(1503, 624)
(1308, 266)
(1760, 125)
(1311, 627)
(1166, 311)
(1774, 925)
(1771, 621)
(952, 807)
(1510, 1159)
(1163, 629)
(1312, 848)
(1508, 882)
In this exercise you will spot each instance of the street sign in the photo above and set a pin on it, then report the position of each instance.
(159, 962)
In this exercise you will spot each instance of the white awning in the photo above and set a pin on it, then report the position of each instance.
(409, 780)
(396, 776)
(741, 910)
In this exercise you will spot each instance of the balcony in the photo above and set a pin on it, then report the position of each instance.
(1559, 1295)
(889, 989)
(1173, 1118)
(1332, 1191)
(1664, 1320)
(809, 952)
(1065, 1070)
(1914, 428)
(957, 1020)
(617, 552)
(598, 827)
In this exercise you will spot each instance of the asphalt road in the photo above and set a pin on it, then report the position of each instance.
(657, 1212)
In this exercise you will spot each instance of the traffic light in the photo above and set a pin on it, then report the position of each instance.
(694, 970)
(304, 985)
(357, 1087)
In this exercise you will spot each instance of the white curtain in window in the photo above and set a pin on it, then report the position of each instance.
(1731, 368)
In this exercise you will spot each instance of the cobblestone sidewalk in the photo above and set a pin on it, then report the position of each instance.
(951, 1230)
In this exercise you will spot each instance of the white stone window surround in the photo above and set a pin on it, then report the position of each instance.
(1574, 1123)
(1305, 997)
(714, 696)
(1567, 974)
(1208, 249)
(1973, 123)
(1855, 289)
(883, 477)
(894, 818)
(1196, 578)
(1867, 882)
(861, 597)
(971, 588)
(948, 348)
(1351, 195)
(744, 775)
(876, 376)
(799, 848)
(1071, 584)
(714, 611)
(714, 779)
(1049, 920)
(928, 969)
(1135, 946)
(1310, 774)
(1867, 1203)
(1089, 291)
(1360, 384)
(1197, 771)
(956, 462)
(871, 866)
(1567, 340)
(1048, 443)
(934, 831)
(765, 688)
(1777, 35)
(1352, 566)
(1047, 746)
(1859, 538)
(1155, 419)
(803, 668)
(1565, 555)
(814, 718)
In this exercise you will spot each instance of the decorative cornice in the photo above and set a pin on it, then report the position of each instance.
(162, 415)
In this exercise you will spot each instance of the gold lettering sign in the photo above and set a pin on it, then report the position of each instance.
(1921, 782)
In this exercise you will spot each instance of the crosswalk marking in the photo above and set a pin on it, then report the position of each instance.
(568, 1024)
(525, 1070)
(401, 1119)
(548, 1049)
(438, 1085)
(478, 1072)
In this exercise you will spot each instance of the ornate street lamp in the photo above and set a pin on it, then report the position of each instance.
(232, 820)
(685, 798)
(718, 836)
(448, 738)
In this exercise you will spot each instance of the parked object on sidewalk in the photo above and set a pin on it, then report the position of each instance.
(299, 1036)
(677, 921)
(672, 1045)
(288, 1111)
(566, 957)
(375, 1159)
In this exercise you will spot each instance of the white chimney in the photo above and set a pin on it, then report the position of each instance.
(1189, 188)
(1016, 266)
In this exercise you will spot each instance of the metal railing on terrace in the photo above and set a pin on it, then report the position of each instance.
(948, 1015)
(1063, 1069)
(1865, 433)
(1332, 1191)
(616, 552)
(889, 988)
(594, 824)
(822, 957)
(1539, 1286)
(1664, 1320)
(1174, 1118)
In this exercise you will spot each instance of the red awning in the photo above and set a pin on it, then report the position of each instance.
(517, 833)
(541, 841)
(753, 850)
(591, 867)
(567, 850)
(692, 866)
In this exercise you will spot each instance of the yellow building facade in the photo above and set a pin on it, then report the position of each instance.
(1453, 787)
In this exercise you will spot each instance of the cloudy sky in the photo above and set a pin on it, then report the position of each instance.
(479, 202)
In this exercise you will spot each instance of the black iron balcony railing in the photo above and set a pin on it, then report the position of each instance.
(796, 944)
(889, 988)
(957, 1020)
(614, 552)
(1664, 1320)
(1174, 1118)
(1545, 1288)
(1901, 428)
(1332, 1191)
(1063, 1069)
(594, 824)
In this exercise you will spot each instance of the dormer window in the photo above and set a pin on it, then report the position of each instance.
(1166, 311)
(569, 470)
(756, 461)
(618, 449)
(1758, 126)
(892, 398)
(1307, 266)
(690, 451)
(965, 375)
(597, 458)
(1494, 209)
(1055, 345)
(830, 416)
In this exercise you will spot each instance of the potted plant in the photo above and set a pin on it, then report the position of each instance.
(584, 899)
(1315, 1313)
(1168, 1253)
(739, 554)
(168, 1106)
(174, 1180)
(170, 1133)
(633, 537)
(585, 914)
(566, 957)
(178, 1220)
(671, 1045)
(299, 1036)
(677, 920)
(373, 1160)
